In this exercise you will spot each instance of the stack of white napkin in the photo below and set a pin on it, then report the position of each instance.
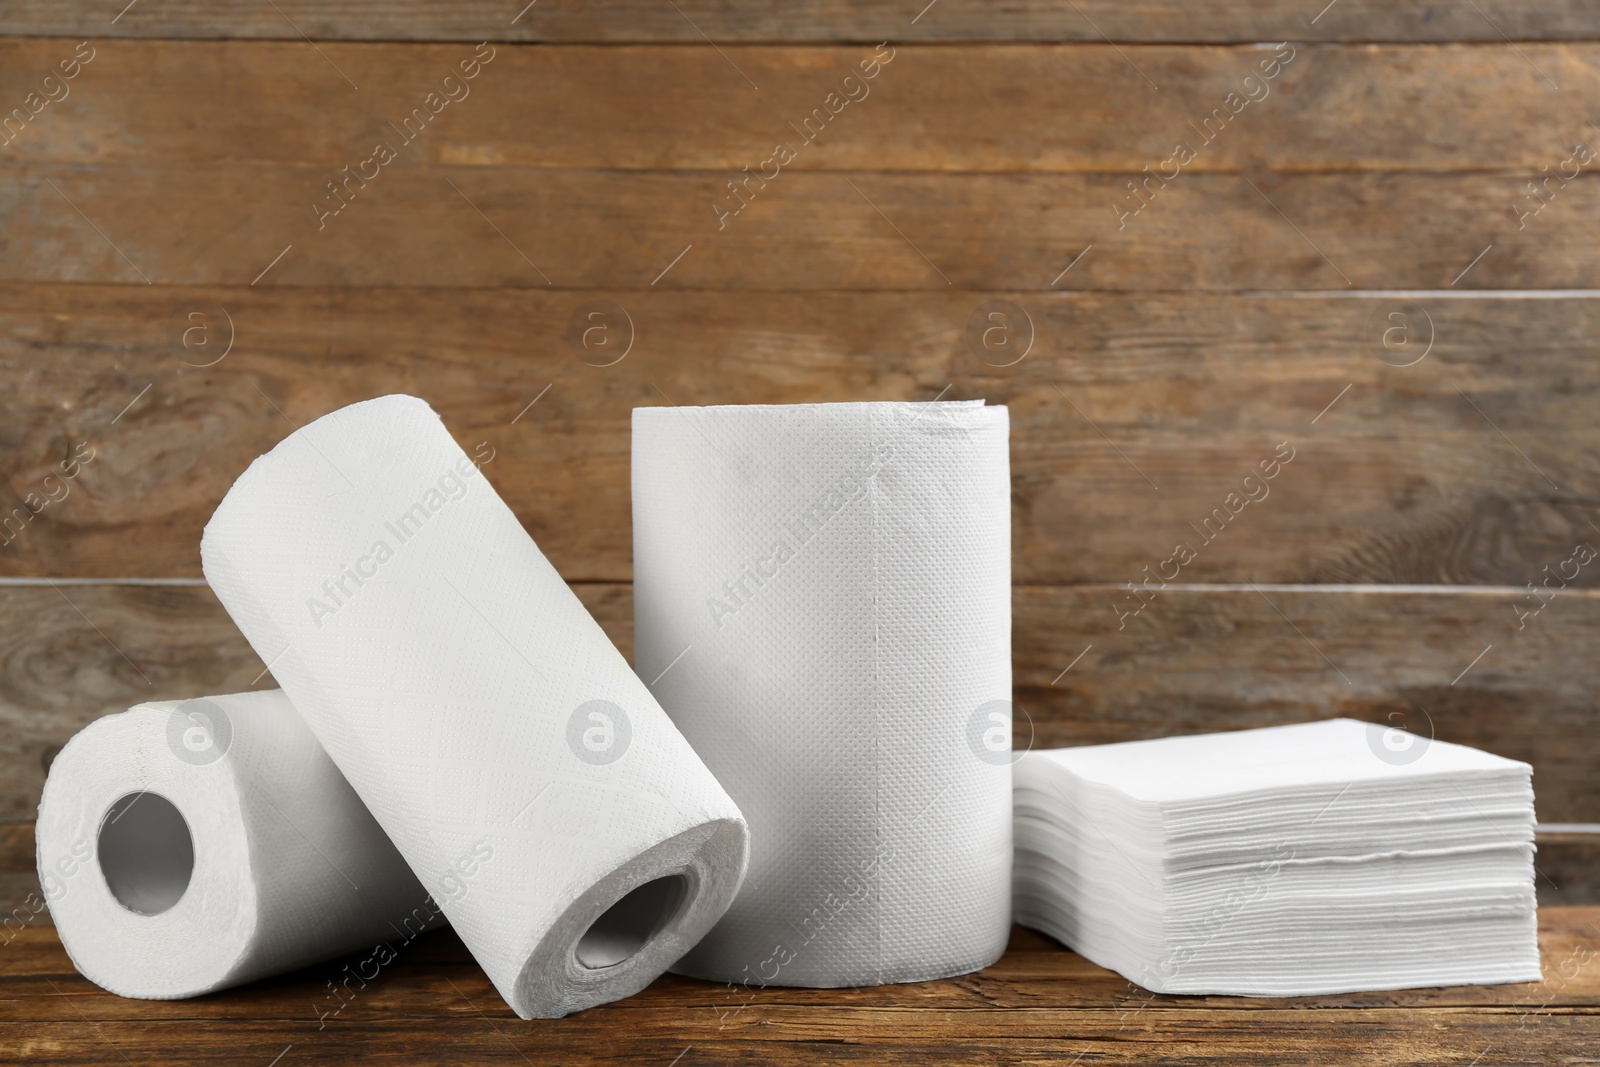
(1319, 858)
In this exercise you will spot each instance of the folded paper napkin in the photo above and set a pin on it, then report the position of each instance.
(1319, 858)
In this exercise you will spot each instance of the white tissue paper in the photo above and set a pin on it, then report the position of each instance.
(576, 843)
(188, 846)
(1327, 857)
(823, 606)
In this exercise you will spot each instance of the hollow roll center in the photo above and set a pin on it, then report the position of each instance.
(145, 852)
(629, 924)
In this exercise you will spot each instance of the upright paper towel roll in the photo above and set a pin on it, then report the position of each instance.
(824, 592)
(474, 704)
(188, 846)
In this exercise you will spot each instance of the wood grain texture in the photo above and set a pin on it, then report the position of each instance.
(1202, 658)
(22, 902)
(805, 1036)
(1569, 868)
(86, 651)
(965, 108)
(1036, 971)
(1039, 1003)
(813, 20)
(1195, 659)
(1406, 478)
(532, 227)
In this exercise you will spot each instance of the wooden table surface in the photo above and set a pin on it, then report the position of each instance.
(1039, 1004)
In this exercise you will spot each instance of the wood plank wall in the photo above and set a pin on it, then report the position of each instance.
(1374, 263)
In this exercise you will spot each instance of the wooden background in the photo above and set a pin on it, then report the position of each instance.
(160, 215)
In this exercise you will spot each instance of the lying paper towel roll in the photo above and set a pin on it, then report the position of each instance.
(474, 704)
(189, 846)
(823, 595)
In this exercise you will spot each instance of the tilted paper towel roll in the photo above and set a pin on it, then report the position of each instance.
(188, 846)
(824, 592)
(473, 703)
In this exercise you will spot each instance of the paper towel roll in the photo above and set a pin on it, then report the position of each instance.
(475, 705)
(822, 593)
(188, 846)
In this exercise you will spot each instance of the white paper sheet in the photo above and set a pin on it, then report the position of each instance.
(1317, 858)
